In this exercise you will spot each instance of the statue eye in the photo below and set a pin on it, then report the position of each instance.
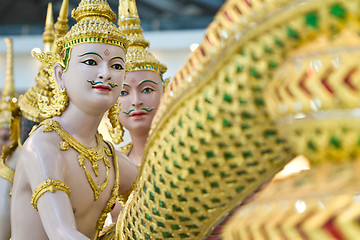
(147, 90)
(90, 62)
(123, 93)
(117, 66)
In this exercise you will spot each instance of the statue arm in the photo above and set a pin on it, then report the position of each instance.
(127, 175)
(57, 217)
(51, 199)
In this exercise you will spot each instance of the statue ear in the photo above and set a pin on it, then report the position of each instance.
(58, 74)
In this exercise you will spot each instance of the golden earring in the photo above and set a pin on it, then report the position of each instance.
(116, 130)
(56, 105)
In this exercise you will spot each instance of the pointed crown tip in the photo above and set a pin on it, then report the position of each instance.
(95, 24)
(93, 8)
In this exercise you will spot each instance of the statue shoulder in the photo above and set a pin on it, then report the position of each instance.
(127, 172)
(40, 137)
(41, 146)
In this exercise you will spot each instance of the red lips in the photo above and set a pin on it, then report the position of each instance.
(102, 88)
(138, 114)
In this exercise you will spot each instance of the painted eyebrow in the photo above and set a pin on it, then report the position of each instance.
(90, 53)
(126, 85)
(118, 57)
(146, 80)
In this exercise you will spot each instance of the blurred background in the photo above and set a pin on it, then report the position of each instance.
(173, 27)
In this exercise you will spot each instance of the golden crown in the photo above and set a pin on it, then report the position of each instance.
(94, 25)
(8, 99)
(138, 56)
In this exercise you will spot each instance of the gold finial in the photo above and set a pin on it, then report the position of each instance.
(8, 96)
(61, 26)
(138, 56)
(129, 23)
(48, 35)
(28, 102)
(94, 24)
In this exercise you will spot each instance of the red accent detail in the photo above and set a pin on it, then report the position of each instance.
(288, 91)
(324, 81)
(237, 9)
(102, 88)
(278, 94)
(217, 33)
(208, 39)
(187, 69)
(348, 82)
(248, 3)
(302, 84)
(138, 115)
(309, 71)
(228, 16)
(191, 63)
(202, 51)
(329, 226)
(107, 53)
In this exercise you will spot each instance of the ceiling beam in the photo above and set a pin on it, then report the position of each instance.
(5, 8)
(168, 6)
(207, 5)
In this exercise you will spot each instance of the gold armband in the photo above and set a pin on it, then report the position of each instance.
(124, 197)
(50, 185)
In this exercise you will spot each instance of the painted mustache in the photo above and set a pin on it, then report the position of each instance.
(147, 109)
(93, 83)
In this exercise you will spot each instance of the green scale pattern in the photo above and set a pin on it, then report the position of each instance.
(216, 145)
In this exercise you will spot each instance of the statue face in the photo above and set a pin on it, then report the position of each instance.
(140, 99)
(94, 76)
(4, 138)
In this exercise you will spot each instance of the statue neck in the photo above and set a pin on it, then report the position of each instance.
(80, 125)
(139, 141)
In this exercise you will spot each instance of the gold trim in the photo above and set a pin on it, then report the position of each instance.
(6, 172)
(49, 185)
(114, 193)
(126, 149)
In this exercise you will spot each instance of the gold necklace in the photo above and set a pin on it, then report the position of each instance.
(92, 154)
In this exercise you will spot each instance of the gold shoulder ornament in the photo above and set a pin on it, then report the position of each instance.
(50, 185)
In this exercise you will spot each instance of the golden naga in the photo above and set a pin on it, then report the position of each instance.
(212, 143)
(266, 71)
(314, 98)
